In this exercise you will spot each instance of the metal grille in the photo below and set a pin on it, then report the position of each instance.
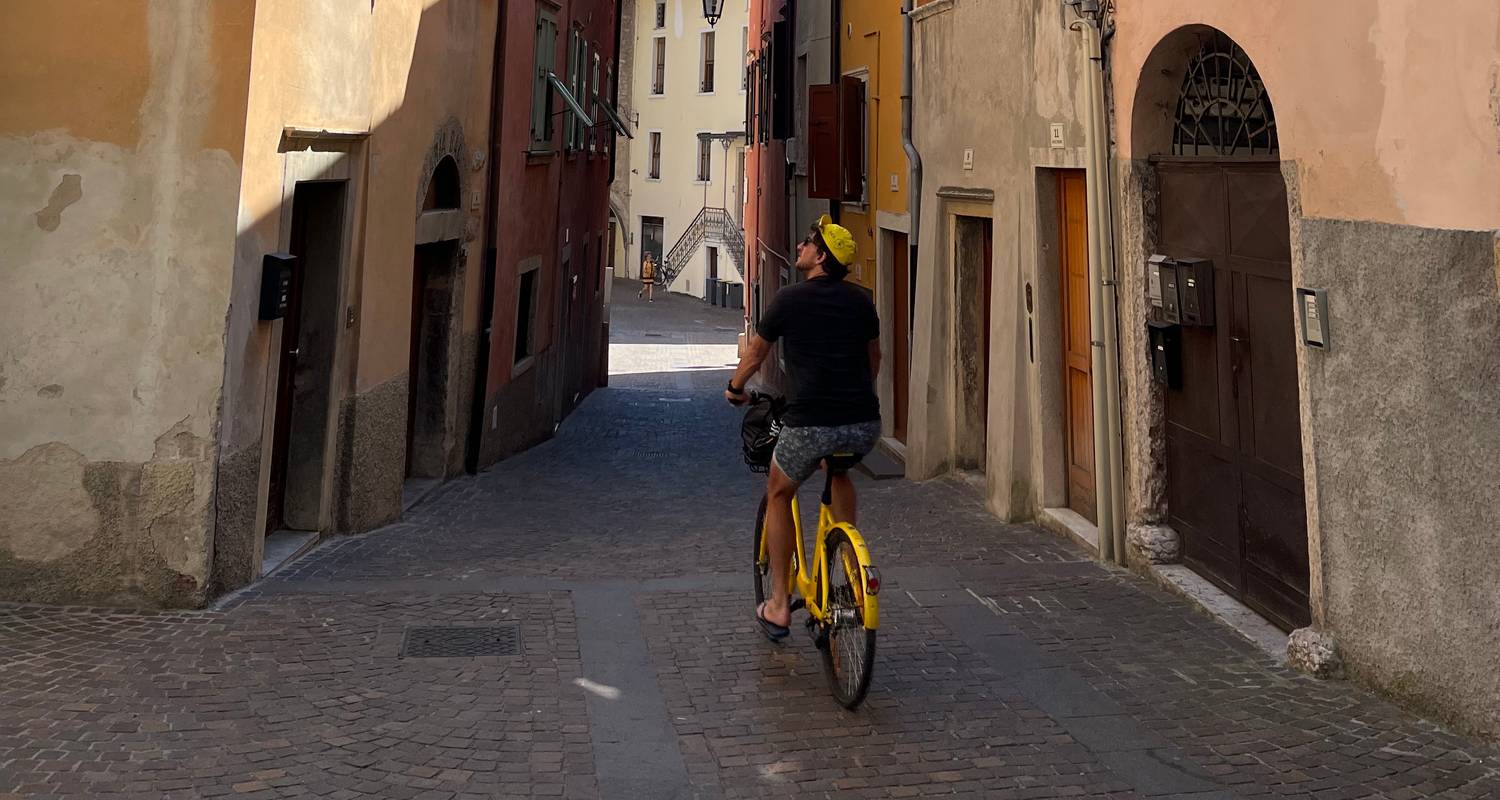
(495, 640)
(1224, 109)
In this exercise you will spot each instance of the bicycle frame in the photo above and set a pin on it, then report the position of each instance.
(812, 585)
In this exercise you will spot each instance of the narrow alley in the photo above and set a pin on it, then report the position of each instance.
(613, 562)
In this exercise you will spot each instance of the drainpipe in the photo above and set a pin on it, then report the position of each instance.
(1108, 458)
(491, 220)
(1111, 292)
(913, 161)
(836, 68)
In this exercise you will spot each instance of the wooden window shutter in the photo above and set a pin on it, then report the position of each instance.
(823, 142)
(852, 134)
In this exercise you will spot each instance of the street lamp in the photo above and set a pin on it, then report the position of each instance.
(712, 10)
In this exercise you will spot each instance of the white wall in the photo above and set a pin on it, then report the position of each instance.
(679, 114)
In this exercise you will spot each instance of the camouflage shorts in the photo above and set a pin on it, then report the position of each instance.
(799, 451)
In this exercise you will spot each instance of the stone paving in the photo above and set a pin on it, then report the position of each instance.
(1010, 665)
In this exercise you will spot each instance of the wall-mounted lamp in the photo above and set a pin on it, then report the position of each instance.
(713, 9)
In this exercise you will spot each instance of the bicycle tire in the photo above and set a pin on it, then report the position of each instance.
(760, 568)
(849, 651)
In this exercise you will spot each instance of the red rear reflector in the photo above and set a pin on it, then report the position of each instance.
(872, 580)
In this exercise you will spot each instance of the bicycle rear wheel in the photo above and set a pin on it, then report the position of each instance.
(849, 654)
(759, 558)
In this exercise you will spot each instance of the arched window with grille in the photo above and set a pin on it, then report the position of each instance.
(1223, 109)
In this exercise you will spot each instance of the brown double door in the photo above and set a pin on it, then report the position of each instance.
(1234, 446)
(1077, 351)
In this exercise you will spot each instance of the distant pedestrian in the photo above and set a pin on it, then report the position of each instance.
(648, 278)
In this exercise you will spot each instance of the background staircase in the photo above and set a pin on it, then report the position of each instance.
(712, 224)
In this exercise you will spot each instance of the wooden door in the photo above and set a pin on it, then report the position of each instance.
(414, 356)
(286, 372)
(900, 359)
(652, 230)
(1234, 445)
(988, 249)
(1078, 417)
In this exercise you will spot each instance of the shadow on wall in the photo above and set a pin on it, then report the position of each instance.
(299, 422)
(351, 412)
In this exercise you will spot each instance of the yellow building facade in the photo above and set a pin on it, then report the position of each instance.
(871, 58)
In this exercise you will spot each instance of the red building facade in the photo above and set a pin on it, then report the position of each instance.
(547, 258)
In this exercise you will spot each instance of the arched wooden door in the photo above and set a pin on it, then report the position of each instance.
(1235, 487)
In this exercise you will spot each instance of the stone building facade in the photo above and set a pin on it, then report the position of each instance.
(1366, 461)
(1266, 290)
(181, 419)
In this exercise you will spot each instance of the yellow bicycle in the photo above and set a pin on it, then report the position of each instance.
(839, 590)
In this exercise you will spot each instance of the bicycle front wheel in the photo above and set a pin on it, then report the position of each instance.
(761, 558)
(849, 654)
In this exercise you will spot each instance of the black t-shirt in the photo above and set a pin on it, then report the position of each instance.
(827, 325)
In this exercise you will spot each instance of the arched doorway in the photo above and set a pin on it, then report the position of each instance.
(432, 413)
(1233, 452)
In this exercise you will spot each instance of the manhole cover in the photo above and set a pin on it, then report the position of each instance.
(495, 640)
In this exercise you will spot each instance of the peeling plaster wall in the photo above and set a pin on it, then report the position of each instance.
(1027, 75)
(120, 137)
(1389, 127)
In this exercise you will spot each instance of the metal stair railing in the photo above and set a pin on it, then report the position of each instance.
(731, 235)
(724, 227)
(682, 252)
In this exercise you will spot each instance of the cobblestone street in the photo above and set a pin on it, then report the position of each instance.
(1010, 664)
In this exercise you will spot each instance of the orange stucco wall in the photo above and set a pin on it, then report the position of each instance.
(872, 48)
(1390, 108)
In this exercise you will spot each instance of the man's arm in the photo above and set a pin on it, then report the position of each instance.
(756, 351)
(874, 359)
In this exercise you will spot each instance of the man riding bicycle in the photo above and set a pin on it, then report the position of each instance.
(830, 336)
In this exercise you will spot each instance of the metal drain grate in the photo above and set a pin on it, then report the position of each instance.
(495, 640)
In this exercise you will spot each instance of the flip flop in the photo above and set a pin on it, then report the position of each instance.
(772, 631)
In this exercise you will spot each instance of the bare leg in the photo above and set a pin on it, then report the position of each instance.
(779, 493)
(844, 499)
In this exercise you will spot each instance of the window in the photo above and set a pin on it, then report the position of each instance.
(526, 316)
(661, 14)
(705, 159)
(593, 107)
(706, 71)
(744, 56)
(763, 94)
(545, 58)
(653, 164)
(659, 65)
(744, 192)
(603, 92)
(573, 129)
(443, 190)
(853, 130)
(1223, 109)
(752, 96)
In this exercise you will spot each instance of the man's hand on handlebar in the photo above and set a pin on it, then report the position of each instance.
(735, 397)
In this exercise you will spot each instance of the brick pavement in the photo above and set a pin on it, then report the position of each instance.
(1010, 666)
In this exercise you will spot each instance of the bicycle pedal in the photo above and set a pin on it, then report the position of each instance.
(818, 633)
(796, 605)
